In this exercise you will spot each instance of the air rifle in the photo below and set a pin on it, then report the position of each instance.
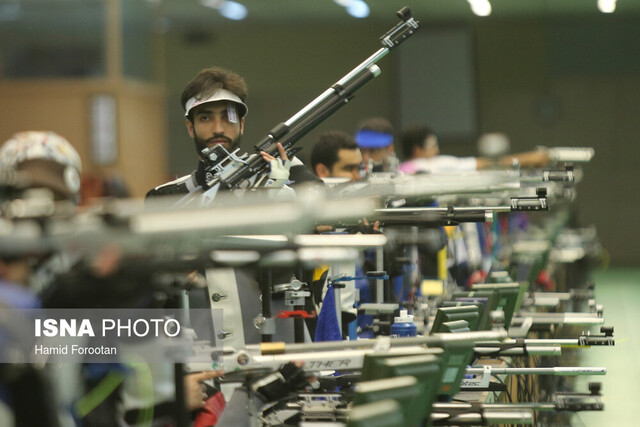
(231, 171)
(443, 216)
(476, 413)
(454, 215)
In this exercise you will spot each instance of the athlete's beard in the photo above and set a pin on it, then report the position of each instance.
(201, 144)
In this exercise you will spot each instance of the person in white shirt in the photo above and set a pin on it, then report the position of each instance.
(422, 154)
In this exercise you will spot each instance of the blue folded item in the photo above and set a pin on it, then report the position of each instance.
(327, 328)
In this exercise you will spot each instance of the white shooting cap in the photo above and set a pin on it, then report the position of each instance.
(217, 95)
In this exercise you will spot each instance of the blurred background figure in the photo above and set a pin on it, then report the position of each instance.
(41, 160)
(47, 162)
(44, 159)
(422, 154)
(375, 136)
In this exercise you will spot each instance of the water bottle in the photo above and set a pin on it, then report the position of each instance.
(403, 325)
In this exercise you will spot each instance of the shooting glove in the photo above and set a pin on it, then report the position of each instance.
(279, 174)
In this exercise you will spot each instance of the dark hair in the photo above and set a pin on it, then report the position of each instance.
(325, 151)
(414, 137)
(376, 124)
(211, 79)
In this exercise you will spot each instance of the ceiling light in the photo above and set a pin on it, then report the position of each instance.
(355, 8)
(607, 6)
(480, 7)
(233, 10)
(358, 9)
(227, 8)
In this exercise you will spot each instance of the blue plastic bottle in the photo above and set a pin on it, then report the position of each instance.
(403, 325)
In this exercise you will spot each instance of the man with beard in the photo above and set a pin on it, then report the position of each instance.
(215, 108)
(336, 156)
